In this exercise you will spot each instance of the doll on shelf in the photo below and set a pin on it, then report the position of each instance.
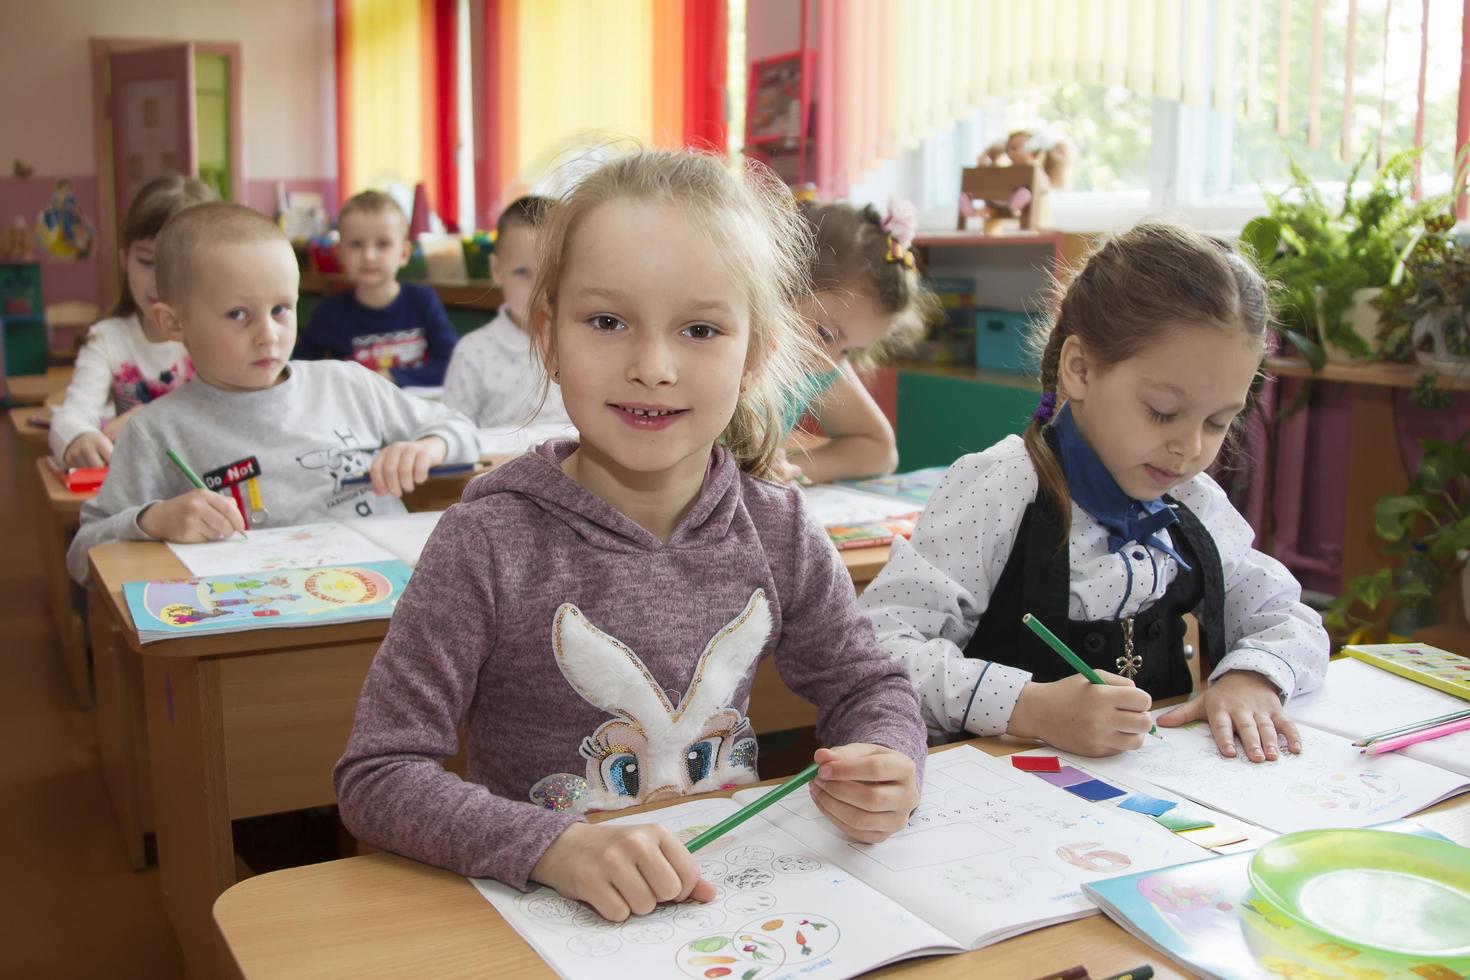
(1013, 178)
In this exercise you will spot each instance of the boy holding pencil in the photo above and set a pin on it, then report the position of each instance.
(274, 442)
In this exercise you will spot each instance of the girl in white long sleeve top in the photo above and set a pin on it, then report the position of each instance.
(1102, 523)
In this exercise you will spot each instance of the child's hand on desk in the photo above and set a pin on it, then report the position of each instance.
(199, 515)
(1241, 704)
(867, 790)
(1075, 715)
(621, 871)
(88, 449)
(401, 466)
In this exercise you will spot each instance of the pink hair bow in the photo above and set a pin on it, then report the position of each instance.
(901, 224)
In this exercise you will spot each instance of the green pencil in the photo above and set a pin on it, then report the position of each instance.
(746, 812)
(1065, 652)
(191, 476)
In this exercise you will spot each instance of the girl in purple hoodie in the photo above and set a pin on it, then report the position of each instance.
(593, 612)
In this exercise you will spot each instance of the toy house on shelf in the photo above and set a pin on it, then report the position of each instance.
(1001, 194)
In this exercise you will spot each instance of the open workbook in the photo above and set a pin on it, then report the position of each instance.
(1330, 784)
(989, 853)
(306, 575)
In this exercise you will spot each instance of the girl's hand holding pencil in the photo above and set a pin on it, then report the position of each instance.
(621, 871)
(867, 790)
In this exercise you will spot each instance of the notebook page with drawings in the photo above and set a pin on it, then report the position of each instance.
(271, 549)
(991, 852)
(1331, 784)
(1358, 699)
(779, 908)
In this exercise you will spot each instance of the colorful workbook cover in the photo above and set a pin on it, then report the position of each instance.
(1449, 672)
(1207, 917)
(283, 597)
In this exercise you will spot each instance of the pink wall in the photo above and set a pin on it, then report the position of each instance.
(80, 279)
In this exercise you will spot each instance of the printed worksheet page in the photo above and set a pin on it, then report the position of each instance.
(1330, 784)
(779, 910)
(991, 851)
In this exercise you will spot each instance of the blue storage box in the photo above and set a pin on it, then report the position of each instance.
(24, 344)
(1000, 341)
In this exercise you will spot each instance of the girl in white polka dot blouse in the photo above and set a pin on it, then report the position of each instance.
(1102, 522)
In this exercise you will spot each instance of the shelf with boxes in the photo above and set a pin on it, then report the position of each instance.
(22, 319)
(971, 382)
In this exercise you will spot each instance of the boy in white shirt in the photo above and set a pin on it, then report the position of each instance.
(494, 376)
(276, 442)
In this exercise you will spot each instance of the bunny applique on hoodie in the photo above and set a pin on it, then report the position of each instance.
(593, 666)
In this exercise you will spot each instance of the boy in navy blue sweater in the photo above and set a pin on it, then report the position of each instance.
(398, 329)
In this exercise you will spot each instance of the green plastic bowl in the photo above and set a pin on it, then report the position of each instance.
(1401, 895)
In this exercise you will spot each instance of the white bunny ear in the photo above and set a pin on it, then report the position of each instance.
(727, 658)
(604, 671)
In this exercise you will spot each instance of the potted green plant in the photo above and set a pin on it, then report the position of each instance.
(1328, 262)
(1425, 308)
(1427, 531)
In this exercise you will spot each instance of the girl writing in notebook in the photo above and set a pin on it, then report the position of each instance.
(593, 611)
(867, 303)
(128, 359)
(1102, 522)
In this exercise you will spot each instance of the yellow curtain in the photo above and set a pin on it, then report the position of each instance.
(585, 75)
(385, 130)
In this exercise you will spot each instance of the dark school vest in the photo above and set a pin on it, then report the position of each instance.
(1037, 578)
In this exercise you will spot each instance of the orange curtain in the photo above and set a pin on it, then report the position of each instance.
(666, 89)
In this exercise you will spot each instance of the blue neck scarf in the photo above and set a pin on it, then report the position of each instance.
(1095, 491)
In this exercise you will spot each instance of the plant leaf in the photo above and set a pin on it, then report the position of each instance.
(1393, 515)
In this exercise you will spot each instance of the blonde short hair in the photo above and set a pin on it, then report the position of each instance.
(183, 235)
(371, 202)
(755, 223)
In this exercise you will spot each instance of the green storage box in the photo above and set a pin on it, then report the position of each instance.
(20, 289)
(25, 344)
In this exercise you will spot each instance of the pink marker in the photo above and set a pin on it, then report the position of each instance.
(1413, 738)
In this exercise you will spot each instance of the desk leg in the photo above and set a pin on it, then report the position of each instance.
(56, 533)
(196, 850)
(122, 735)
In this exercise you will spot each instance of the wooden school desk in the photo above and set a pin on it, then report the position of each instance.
(57, 516)
(385, 916)
(32, 389)
(199, 731)
(31, 435)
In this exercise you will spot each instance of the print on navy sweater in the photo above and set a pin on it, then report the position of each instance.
(594, 666)
(411, 336)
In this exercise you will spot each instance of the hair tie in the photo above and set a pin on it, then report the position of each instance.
(900, 225)
(1045, 408)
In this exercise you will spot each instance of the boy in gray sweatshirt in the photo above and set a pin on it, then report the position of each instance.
(275, 443)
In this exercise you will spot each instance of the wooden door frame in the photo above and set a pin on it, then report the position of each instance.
(107, 205)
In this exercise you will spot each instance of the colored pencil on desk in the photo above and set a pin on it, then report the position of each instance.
(1065, 652)
(746, 812)
(1144, 972)
(449, 470)
(1070, 973)
(1412, 727)
(1414, 738)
